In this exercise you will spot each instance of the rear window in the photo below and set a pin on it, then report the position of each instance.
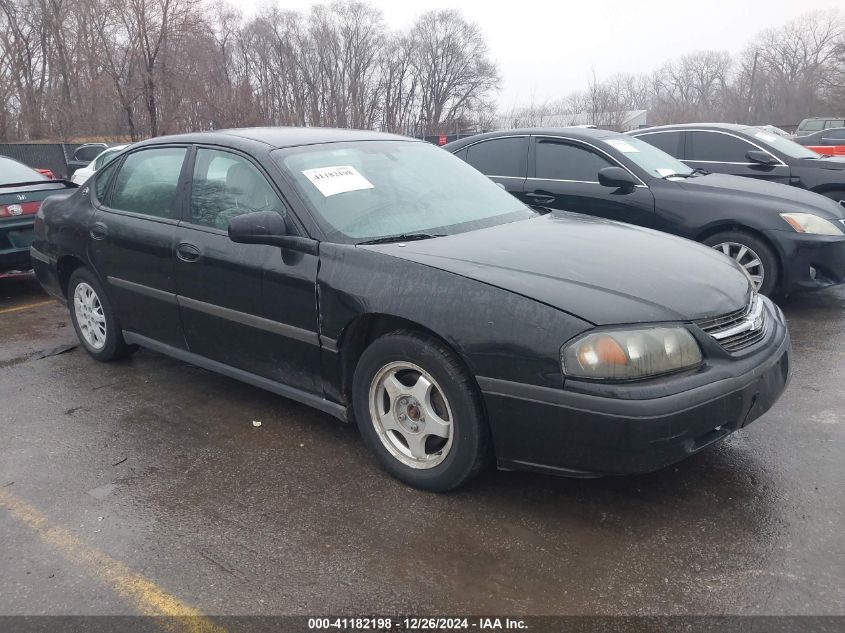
(13, 172)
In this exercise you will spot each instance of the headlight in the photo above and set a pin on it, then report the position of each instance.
(630, 354)
(809, 223)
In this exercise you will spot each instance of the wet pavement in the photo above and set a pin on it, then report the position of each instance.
(152, 467)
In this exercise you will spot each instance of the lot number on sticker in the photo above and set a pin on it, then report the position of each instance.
(338, 179)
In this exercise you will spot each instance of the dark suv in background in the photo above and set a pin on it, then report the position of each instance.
(744, 150)
(785, 238)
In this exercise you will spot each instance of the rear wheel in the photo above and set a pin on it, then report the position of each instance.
(93, 318)
(750, 252)
(419, 411)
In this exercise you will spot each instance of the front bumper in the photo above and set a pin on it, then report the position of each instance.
(573, 433)
(810, 262)
(16, 235)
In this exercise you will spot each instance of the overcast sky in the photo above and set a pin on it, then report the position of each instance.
(548, 49)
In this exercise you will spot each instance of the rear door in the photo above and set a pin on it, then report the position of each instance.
(504, 160)
(564, 175)
(670, 141)
(132, 239)
(250, 306)
(725, 153)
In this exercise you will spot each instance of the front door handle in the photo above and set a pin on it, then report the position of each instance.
(98, 231)
(539, 197)
(187, 252)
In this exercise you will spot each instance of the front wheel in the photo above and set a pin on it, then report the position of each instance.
(750, 252)
(93, 318)
(836, 195)
(419, 411)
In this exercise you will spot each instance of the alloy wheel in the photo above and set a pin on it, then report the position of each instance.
(411, 415)
(89, 315)
(746, 258)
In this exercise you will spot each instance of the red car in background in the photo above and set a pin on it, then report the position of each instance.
(22, 190)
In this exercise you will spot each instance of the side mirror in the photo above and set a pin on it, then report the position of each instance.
(760, 157)
(616, 177)
(267, 227)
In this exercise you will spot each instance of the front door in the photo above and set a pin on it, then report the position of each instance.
(565, 176)
(249, 306)
(725, 153)
(132, 240)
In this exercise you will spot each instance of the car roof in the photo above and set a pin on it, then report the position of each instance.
(278, 137)
(731, 127)
(578, 133)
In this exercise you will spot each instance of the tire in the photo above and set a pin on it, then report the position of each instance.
(757, 249)
(836, 195)
(436, 389)
(93, 318)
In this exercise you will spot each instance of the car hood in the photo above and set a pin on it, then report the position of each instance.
(771, 195)
(601, 271)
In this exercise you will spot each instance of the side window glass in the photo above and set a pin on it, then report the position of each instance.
(669, 142)
(563, 161)
(500, 157)
(838, 134)
(101, 181)
(462, 153)
(226, 185)
(148, 181)
(717, 147)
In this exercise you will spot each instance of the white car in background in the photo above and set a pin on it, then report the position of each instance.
(84, 173)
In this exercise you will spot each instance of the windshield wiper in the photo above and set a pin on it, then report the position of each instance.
(698, 171)
(402, 237)
(675, 175)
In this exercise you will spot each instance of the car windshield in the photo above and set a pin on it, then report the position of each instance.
(649, 158)
(13, 172)
(782, 145)
(362, 191)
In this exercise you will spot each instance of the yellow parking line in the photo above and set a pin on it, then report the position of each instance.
(28, 306)
(148, 597)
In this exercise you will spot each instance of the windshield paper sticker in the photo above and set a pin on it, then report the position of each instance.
(339, 179)
(665, 172)
(622, 146)
(766, 137)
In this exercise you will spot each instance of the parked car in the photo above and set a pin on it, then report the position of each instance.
(747, 151)
(829, 142)
(383, 281)
(816, 123)
(21, 191)
(83, 155)
(785, 238)
(84, 173)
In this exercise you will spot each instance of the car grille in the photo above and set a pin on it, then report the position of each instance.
(738, 330)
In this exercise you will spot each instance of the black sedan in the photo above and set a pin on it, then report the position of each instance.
(383, 281)
(749, 151)
(21, 191)
(785, 238)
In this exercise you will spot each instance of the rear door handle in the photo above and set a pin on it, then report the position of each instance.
(187, 252)
(540, 198)
(98, 231)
